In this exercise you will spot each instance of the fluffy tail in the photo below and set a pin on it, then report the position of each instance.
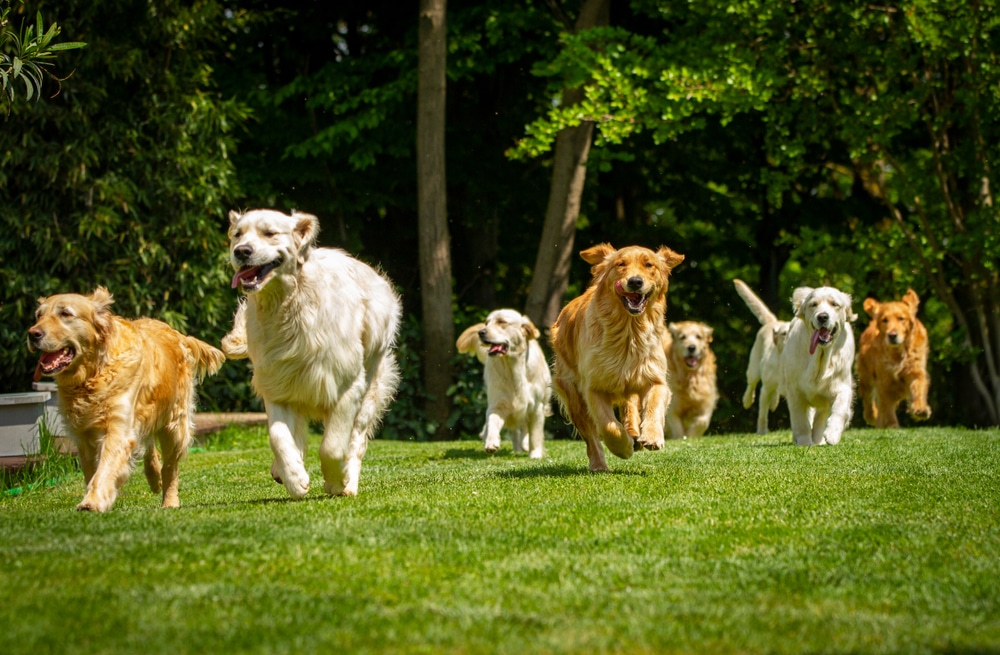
(207, 360)
(756, 305)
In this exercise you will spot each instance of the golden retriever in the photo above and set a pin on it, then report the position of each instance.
(609, 353)
(816, 364)
(122, 384)
(517, 378)
(691, 376)
(892, 361)
(320, 330)
(765, 357)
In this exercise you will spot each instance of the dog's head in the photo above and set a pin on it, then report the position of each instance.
(634, 274)
(894, 319)
(825, 310)
(70, 328)
(264, 244)
(690, 342)
(507, 332)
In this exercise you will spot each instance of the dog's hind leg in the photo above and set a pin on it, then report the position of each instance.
(344, 444)
(174, 444)
(151, 467)
(287, 432)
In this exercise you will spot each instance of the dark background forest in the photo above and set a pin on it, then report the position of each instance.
(786, 144)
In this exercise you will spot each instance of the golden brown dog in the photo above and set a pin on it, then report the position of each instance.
(609, 351)
(121, 384)
(692, 379)
(892, 361)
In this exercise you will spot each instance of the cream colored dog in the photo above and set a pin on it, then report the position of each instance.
(320, 328)
(691, 367)
(517, 378)
(765, 357)
(816, 365)
(123, 385)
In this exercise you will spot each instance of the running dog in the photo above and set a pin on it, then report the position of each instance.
(765, 357)
(691, 376)
(609, 353)
(517, 378)
(892, 361)
(816, 365)
(124, 386)
(320, 329)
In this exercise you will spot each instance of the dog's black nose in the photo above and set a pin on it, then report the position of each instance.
(691, 349)
(482, 333)
(242, 252)
(823, 318)
(36, 334)
(634, 283)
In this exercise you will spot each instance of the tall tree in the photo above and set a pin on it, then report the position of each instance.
(569, 171)
(434, 242)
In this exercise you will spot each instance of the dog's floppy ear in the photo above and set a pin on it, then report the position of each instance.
(670, 258)
(102, 300)
(306, 230)
(672, 328)
(468, 341)
(799, 299)
(596, 254)
(871, 306)
(234, 216)
(849, 309)
(709, 331)
(912, 300)
(530, 331)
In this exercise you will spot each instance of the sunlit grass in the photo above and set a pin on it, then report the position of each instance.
(887, 543)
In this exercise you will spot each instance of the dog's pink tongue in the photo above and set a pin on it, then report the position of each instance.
(813, 341)
(243, 273)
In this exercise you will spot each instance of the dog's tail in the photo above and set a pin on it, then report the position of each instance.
(468, 342)
(756, 305)
(206, 359)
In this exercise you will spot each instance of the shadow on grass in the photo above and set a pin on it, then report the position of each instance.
(562, 471)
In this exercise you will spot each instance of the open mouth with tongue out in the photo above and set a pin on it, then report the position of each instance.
(634, 302)
(692, 362)
(822, 336)
(496, 348)
(252, 278)
(55, 362)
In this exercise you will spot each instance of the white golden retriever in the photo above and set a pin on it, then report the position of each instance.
(764, 365)
(319, 328)
(517, 378)
(816, 365)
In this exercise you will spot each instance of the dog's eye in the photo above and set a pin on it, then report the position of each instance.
(236, 234)
(65, 313)
(269, 233)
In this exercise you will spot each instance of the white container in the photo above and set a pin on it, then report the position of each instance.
(53, 419)
(20, 416)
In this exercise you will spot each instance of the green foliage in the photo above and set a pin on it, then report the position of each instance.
(884, 544)
(27, 55)
(124, 179)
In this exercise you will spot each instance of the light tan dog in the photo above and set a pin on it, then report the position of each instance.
(319, 327)
(691, 367)
(816, 363)
(892, 361)
(609, 351)
(517, 378)
(765, 357)
(122, 384)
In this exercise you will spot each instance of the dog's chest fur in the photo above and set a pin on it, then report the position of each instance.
(627, 356)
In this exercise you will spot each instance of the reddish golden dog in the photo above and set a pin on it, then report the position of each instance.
(609, 353)
(892, 361)
(121, 384)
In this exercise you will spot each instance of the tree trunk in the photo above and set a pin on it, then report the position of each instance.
(434, 246)
(569, 170)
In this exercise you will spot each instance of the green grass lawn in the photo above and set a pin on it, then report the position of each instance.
(887, 543)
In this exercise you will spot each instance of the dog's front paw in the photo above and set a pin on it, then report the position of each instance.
(920, 413)
(651, 438)
(492, 444)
